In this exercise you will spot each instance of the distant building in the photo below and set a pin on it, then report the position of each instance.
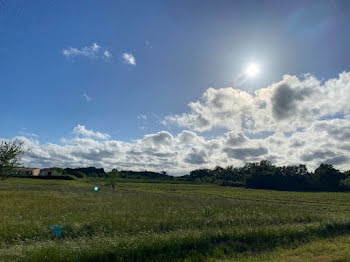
(48, 172)
(24, 171)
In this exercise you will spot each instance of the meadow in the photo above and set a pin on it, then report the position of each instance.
(169, 222)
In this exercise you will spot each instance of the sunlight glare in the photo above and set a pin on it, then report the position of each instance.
(252, 70)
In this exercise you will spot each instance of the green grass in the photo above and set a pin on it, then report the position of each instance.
(322, 250)
(164, 221)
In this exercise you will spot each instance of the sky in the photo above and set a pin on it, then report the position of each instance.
(162, 85)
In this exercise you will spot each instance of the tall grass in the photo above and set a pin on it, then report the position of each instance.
(158, 222)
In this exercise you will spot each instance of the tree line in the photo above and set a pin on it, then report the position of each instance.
(264, 174)
(261, 174)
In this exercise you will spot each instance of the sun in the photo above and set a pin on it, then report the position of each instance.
(252, 70)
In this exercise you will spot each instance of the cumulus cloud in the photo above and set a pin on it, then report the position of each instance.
(325, 156)
(159, 139)
(224, 107)
(196, 158)
(246, 154)
(129, 58)
(81, 130)
(285, 106)
(317, 155)
(338, 160)
(160, 151)
(294, 121)
(92, 51)
(186, 151)
(236, 139)
(335, 128)
(285, 99)
(188, 138)
(107, 54)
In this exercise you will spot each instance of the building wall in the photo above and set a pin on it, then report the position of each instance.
(25, 171)
(36, 172)
(48, 172)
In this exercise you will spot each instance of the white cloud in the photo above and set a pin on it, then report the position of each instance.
(290, 122)
(142, 117)
(95, 47)
(285, 106)
(186, 151)
(107, 54)
(92, 51)
(87, 98)
(129, 59)
(26, 133)
(226, 107)
(81, 130)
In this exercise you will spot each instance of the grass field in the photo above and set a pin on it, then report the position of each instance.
(169, 222)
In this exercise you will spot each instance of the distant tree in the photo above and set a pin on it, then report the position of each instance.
(86, 171)
(219, 172)
(347, 174)
(345, 183)
(299, 170)
(327, 177)
(61, 171)
(112, 177)
(11, 153)
(262, 175)
(199, 174)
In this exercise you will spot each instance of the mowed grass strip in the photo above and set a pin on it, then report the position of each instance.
(144, 221)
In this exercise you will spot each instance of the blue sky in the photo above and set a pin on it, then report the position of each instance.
(181, 50)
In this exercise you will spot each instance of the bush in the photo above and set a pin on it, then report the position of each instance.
(345, 183)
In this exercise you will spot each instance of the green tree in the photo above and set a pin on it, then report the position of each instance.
(11, 153)
(328, 177)
(113, 177)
